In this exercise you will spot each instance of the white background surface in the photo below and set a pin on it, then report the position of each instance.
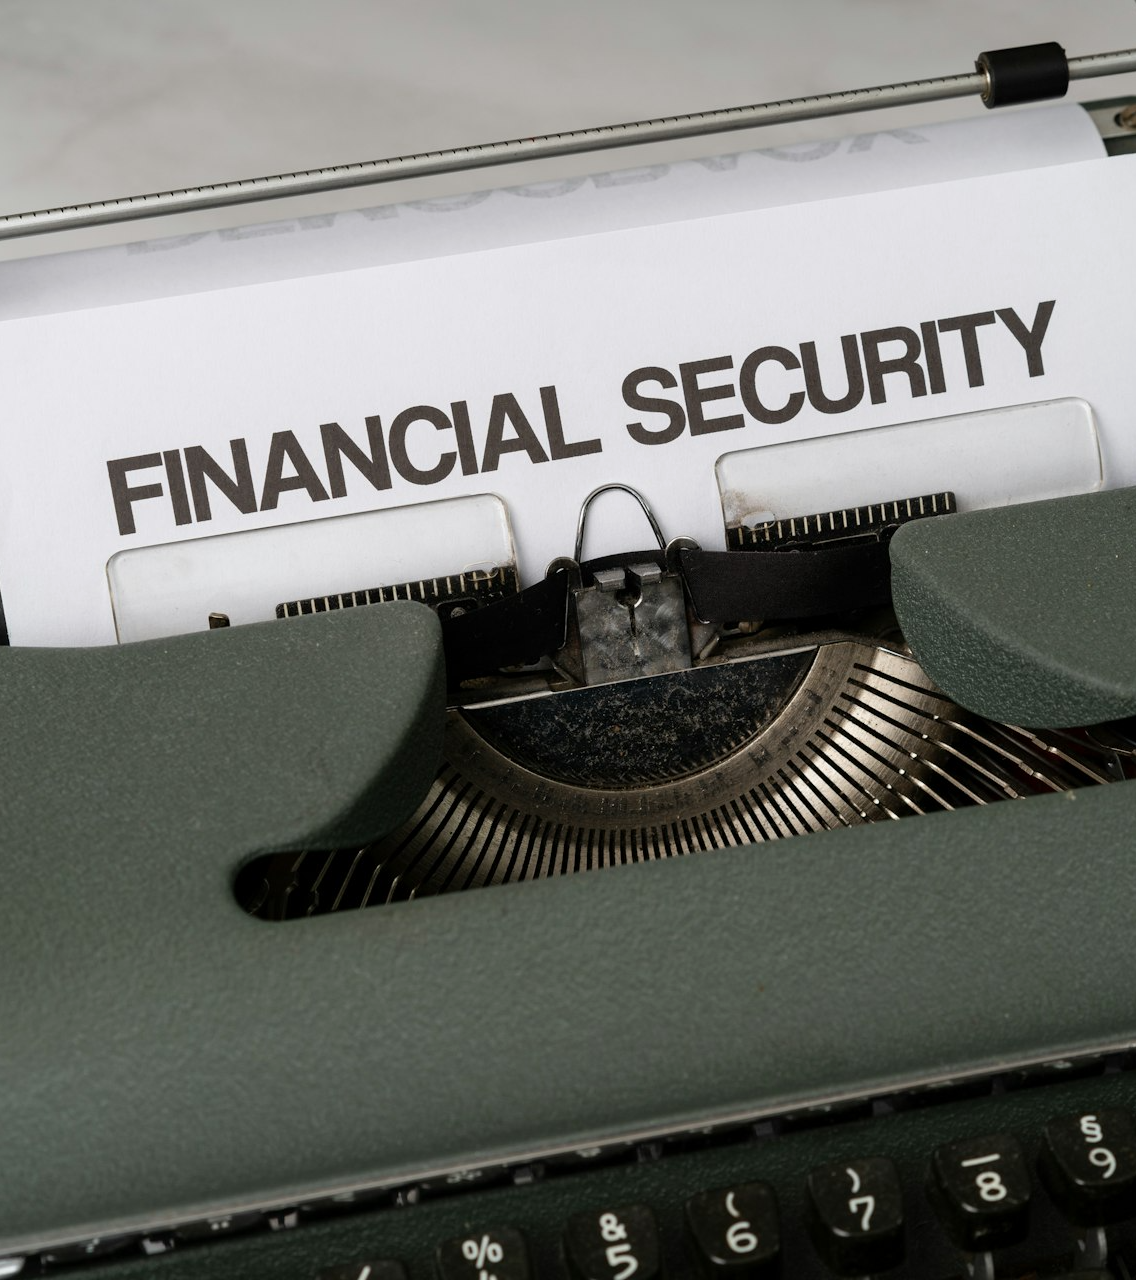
(103, 98)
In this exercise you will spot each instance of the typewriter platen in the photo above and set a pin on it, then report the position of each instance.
(894, 1047)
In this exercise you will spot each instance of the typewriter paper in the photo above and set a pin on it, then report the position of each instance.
(541, 371)
(993, 142)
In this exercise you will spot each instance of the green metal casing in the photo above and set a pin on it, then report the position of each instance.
(163, 1055)
(1024, 613)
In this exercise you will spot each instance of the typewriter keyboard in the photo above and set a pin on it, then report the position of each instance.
(1028, 1174)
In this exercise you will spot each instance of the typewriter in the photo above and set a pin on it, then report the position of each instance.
(683, 913)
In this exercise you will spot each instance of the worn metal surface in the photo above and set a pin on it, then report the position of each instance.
(716, 757)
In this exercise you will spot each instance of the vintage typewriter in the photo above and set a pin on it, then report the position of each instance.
(357, 944)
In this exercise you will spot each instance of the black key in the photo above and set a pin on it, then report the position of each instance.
(1088, 1165)
(227, 1224)
(613, 1244)
(157, 1242)
(344, 1202)
(980, 1188)
(735, 1230)
(467, 1180)
(384, 1269)
(485, 1255)
(594, 1157)
(857, 1215)
(96, 1247)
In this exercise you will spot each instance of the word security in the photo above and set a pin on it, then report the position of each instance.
(423, 445)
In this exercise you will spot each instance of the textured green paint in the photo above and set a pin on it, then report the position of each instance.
(165, 1056)
(1026, 614)
(541, 1209)
(133, 783)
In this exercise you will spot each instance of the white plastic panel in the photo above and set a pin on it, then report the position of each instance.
(171, 589)
(992, 459)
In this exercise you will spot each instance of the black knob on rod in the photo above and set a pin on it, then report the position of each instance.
(1029, 73)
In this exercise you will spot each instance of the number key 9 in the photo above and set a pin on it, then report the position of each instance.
(1088, 1165)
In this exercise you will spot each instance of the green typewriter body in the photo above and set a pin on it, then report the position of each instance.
(317, 963)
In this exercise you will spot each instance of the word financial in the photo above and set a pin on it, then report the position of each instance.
(874, 363)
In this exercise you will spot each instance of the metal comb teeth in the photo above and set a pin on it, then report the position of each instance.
(874, 520)
(742, 753)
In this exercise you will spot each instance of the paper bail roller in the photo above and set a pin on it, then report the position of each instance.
(1028, 73)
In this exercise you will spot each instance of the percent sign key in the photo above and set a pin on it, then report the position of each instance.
(488, 1255)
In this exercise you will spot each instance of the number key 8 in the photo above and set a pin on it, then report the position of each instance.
(980, 1188)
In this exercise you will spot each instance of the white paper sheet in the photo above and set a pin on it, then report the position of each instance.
(993, 142)
(167, 377)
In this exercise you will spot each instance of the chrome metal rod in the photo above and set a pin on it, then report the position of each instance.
(486, 155)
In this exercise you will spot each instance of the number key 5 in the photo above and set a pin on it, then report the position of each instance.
(614, 1244)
